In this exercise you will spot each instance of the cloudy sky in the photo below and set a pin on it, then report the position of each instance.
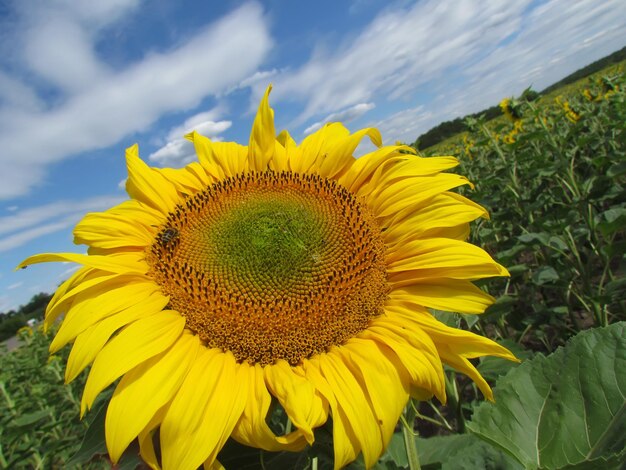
(81, 81)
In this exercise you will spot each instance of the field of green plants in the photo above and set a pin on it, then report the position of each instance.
(552, 173)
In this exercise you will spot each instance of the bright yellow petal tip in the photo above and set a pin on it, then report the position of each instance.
(263, 135)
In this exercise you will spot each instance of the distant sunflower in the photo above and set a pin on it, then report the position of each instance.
(273, 270)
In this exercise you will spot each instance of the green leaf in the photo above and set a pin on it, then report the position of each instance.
(460, 451)
(614, 221)
(503, 304)
(447, 318)
(94, 442)
(558, 243)
(531, 238)
(566, 410)
(30, 418)
(517, 269)
(616, 289)
(491, 367)
(616, 169)
(544, 275)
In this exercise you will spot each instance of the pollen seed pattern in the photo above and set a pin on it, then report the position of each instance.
(272, 265)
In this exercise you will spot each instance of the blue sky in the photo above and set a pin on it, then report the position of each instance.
(81, 81)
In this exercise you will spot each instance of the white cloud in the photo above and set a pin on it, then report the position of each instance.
(257, 81)
(68, 61)
(94, 113)
(6, 304)
(208, 121)
(64, 275)
(23, 226)
(400, 51)
(14, 94)
(346, 115)
(15, 285)
(406, 125)
(178, 151)
(470, 52)
(18, 239)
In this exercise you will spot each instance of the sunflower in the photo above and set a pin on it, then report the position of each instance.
(276, 271)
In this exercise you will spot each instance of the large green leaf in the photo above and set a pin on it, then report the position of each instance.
(455, 452)
(566, 410)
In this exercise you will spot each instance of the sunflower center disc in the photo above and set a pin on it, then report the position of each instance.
(272, 265)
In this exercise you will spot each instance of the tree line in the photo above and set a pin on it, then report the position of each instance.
(13, 320)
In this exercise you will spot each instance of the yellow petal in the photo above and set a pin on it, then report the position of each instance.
(220, 159)
(145, 438)
(315, 147)
(280, 159)
(450, 295)
(144, 390)
(442, 211)
(290, 157)
(352, 407)
(345, 443)
(461, 342)
(204, 412)
(410, 167)
(147, 185)
(89, 343)
(415, 351)
(363, 169)
(339, 152)
(138, 212)
(298, 397)
(443, 257)
(252, 429)
(397, 196)
(459, 232)
(60, 295)
(463, 365)
(123, 264)
(105, 230)
(215, 465)
(233, 157)
(94, 281)
(263, 136)
(386, 390)
(88, 309)
(133, 345)
(185, 180)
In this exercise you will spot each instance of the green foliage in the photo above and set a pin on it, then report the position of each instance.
(458, 452)
(39, 424)
(10, 325)
(564, 410)
(554, 184)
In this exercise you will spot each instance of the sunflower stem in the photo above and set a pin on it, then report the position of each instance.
(409, 437)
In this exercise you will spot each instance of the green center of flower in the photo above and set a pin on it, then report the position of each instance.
(271, 240)
(272, 265)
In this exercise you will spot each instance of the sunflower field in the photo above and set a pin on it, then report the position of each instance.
(552, 175)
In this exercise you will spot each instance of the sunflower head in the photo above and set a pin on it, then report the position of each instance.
(273, 271)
